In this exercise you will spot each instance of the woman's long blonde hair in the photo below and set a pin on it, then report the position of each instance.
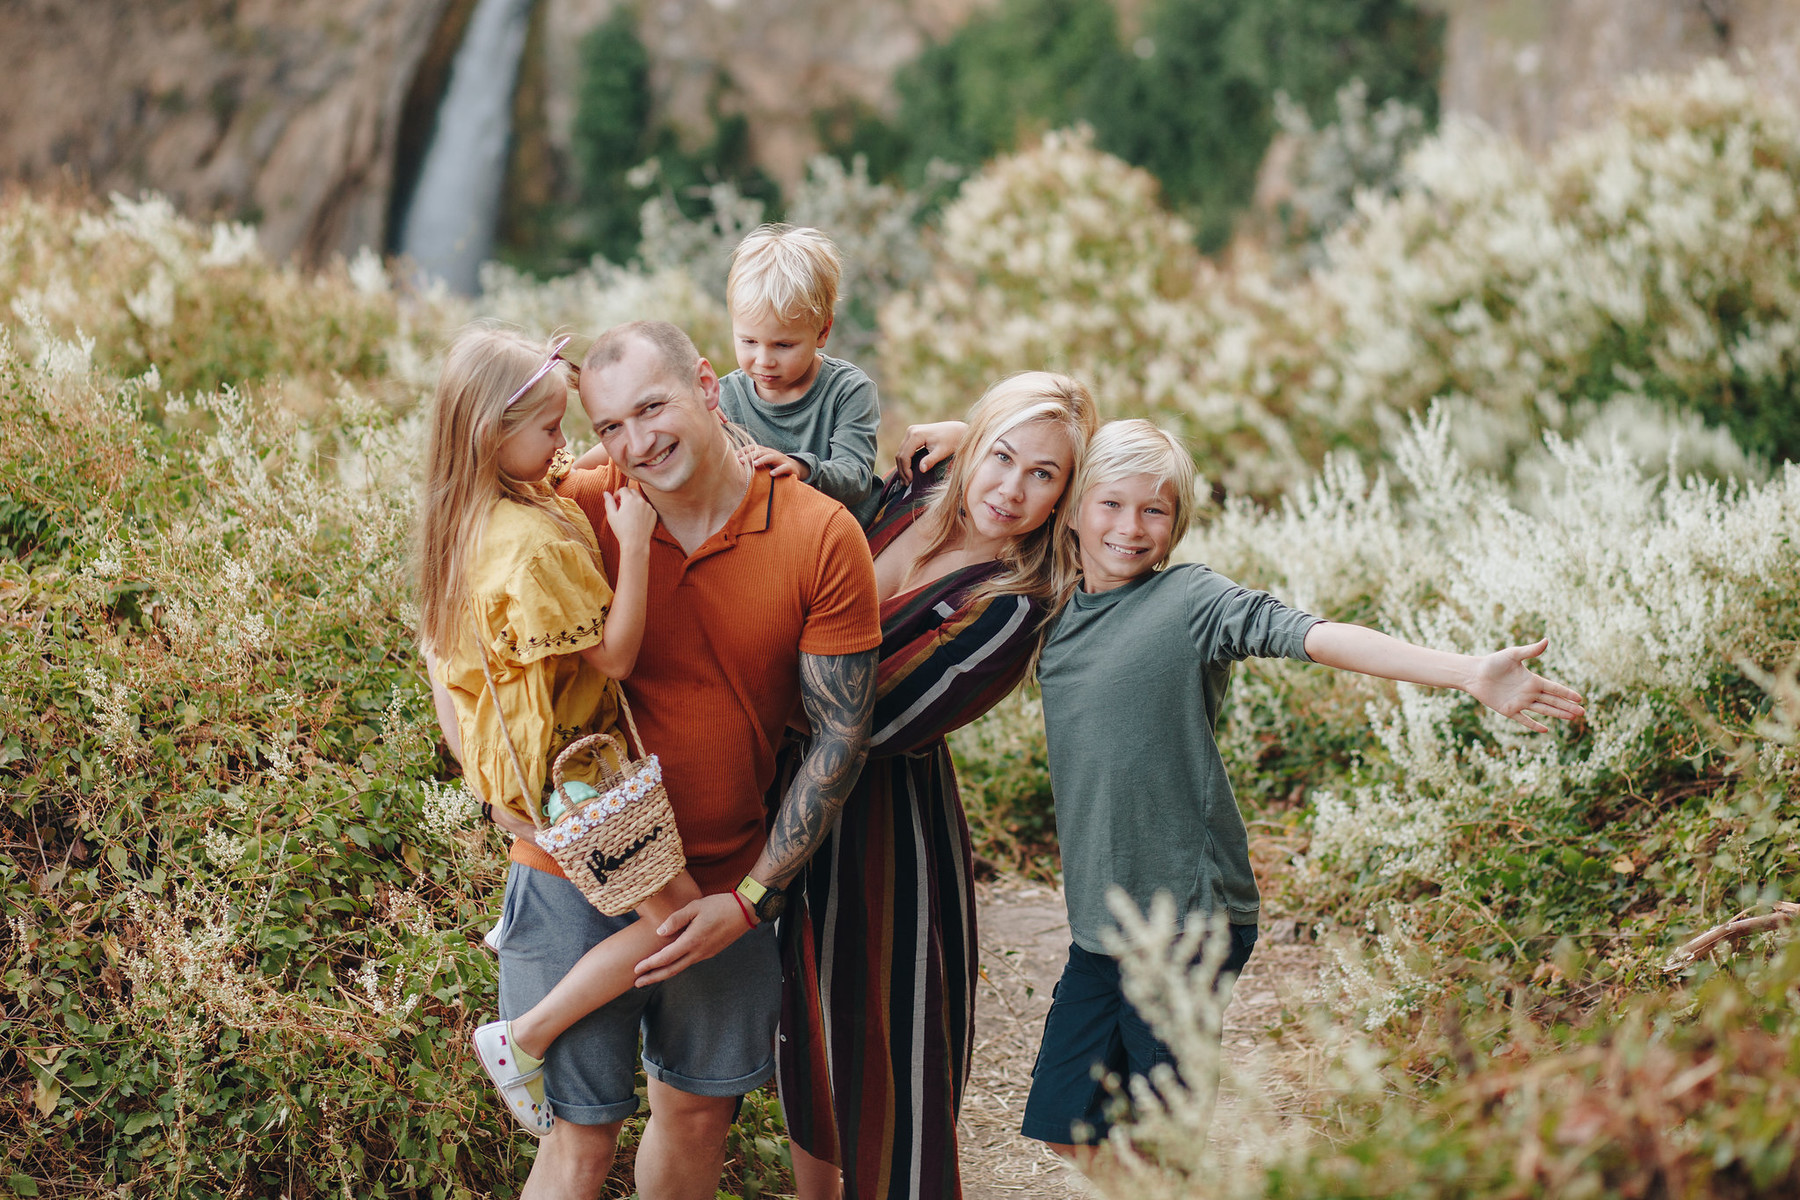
(470, 418)
(1038, 564)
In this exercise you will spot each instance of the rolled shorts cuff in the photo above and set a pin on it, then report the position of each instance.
(708, 1087)
(593, 1114)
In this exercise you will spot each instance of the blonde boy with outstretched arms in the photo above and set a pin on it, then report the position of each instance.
(807, 414)
(1135, 670)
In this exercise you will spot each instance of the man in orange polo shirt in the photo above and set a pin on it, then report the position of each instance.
(761, 602)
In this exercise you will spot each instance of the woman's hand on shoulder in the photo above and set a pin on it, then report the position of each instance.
(631, 518)
(939, 440)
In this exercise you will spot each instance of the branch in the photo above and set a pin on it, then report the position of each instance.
(1731, 931)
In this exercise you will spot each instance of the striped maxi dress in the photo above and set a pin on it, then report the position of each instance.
(879, 948)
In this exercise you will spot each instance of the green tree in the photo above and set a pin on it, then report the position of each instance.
(617, 128)
(1192, 100)
(612, 133)
(1023, 68)
(1198, 110)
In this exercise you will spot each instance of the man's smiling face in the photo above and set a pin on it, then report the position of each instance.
(657, 425)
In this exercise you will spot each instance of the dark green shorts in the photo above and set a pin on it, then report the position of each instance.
(1093, 1041)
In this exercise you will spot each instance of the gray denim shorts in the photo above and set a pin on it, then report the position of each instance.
(710, 1031)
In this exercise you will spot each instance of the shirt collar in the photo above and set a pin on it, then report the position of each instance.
(754, 514)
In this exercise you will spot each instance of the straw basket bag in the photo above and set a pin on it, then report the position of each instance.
(616, 842)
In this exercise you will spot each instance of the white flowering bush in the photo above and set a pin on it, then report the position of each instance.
(243, 955)
(1330, 166)
(1640, 271)
(148, 287)
(1686, 1093)
(1651, 256)
(600, 296)
(1516, 398)
(238, 953)
(1062, 258)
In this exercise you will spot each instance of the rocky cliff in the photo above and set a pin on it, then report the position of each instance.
(1534, 68)
(309, 117)
(777, 63)
(282, 112)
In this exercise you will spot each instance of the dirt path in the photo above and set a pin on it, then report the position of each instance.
(1024, 942)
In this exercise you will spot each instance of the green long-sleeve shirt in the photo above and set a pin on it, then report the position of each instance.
(1133, 682)
(831, 429)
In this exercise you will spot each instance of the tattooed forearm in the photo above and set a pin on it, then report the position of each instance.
(838, 693)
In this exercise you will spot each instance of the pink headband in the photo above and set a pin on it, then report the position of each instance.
(555, 357)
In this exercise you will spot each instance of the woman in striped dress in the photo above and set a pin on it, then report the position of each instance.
(879, 949)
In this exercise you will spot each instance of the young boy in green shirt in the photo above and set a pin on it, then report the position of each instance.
(811, 415)
(1134, 673)
(806, 413)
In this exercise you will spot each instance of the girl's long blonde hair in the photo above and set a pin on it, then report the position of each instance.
(1038, 564)
(470, 419)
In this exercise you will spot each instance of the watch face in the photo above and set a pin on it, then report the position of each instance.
(772, 905)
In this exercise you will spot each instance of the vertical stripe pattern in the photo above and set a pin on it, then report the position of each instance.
(879, 948)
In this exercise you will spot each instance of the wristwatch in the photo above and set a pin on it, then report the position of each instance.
(766, 902)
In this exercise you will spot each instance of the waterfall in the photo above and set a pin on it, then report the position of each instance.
(448, 229)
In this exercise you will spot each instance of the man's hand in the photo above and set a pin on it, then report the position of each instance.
(706, 926)
(596, 457)
(1503, 683)
(513, 823)
(837, 692)
(777, 462)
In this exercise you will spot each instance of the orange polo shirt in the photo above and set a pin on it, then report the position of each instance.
(719, 672)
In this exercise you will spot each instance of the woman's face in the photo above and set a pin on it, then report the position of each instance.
(1014, 488)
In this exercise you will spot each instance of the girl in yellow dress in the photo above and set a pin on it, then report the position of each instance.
(511, 590)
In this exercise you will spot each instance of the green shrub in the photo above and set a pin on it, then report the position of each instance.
(1191, 100)
(618, 131)
(146, 287)
(1689, 1093)
(242, 952)
(1003, 774)
(1636, 285)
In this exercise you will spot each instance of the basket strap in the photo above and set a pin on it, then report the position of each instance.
(531, 806)
(625, 708)
(582, 743)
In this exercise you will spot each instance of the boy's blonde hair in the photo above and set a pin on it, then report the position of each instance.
(790, 272)
(1125, 448)
(470, 418)
(1040, 564)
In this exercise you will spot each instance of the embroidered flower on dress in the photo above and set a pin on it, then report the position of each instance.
(561, 463)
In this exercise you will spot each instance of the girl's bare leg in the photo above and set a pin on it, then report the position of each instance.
(815, 1178)
(604, 973)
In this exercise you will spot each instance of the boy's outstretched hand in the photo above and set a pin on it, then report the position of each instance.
(1504, 683)
(1499, 680)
